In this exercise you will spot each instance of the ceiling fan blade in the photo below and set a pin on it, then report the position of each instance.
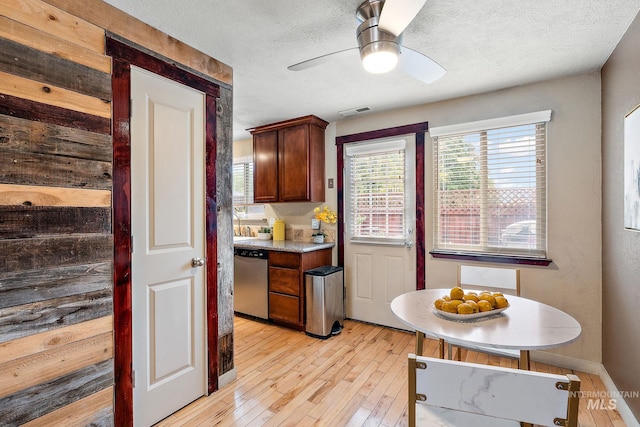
(420, 66)
(314, 62)
(396, 15)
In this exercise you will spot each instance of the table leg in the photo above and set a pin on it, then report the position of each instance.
(524, 362)
(419, 342)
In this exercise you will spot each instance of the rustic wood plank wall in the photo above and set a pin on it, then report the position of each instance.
(225, 234)
(56, 267)
(56, 327)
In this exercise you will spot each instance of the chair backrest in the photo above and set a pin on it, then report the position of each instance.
(506, 280)
(505, 393)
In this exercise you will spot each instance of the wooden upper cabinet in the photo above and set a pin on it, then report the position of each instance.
(265, 167)
(289, 161)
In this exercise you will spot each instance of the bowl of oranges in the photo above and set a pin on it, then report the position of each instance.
(465, 305)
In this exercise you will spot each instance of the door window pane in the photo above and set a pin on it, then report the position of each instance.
(376, 192)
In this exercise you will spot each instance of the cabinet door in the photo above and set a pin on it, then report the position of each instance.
(265, 167)
(294, 164)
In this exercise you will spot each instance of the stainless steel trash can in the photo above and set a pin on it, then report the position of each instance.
(324, 297)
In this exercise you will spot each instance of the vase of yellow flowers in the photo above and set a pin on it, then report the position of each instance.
(321, 215)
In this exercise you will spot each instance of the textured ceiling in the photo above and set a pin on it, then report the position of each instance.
(484, 45)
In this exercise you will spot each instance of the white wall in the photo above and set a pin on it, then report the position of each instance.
(242, 148)
(573, 282)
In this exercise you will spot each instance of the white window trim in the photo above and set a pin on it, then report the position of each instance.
(500, 122)
(378, 147)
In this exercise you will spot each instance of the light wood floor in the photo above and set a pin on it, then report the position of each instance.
(357, 378)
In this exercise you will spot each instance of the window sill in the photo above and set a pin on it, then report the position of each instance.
(504, 259)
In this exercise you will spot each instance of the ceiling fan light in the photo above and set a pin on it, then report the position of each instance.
(379, 50)
(380, 62)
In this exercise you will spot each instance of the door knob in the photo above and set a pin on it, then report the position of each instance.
(197, 262)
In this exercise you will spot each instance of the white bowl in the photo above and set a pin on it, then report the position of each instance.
(264, 236)
(472, 316)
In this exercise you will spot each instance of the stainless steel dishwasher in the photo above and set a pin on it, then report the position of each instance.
(250, 282)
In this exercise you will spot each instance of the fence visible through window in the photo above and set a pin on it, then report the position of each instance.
(460, 214)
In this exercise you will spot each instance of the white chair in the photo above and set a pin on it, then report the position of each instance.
(505, 280)
(450, 393)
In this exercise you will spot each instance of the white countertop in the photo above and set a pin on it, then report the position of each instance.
(279, 245)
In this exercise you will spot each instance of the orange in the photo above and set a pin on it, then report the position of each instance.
(484, 305)
(501, 302)
(465, 308)
(488, 297)
(449, 308)
(455, 302)
(471, 297)
(456, 293)
(473, 305)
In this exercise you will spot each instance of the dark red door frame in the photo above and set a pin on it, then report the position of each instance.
(123, 57)
(419, 129)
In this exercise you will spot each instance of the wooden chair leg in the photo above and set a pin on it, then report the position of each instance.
(419, 342)
(441, 348)
(524, 362)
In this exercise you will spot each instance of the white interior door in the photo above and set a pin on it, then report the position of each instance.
(167, 221)
(379, 268)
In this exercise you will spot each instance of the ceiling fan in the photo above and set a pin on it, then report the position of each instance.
(379, 38)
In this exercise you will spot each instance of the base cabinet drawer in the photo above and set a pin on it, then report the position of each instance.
(284, 307)
(285, 259)
(284, 281)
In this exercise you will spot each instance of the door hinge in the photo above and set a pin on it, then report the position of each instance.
(130, 107)
(133, 378)
(131, 244)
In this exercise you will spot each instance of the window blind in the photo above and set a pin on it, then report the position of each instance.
(377, 192)
(242, 183)
(490, 190)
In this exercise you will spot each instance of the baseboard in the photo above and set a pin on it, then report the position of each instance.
(621, 404)
(591, 368)
(567, 362)
(227, 377)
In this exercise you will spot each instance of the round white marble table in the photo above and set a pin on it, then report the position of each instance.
(525, 325)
